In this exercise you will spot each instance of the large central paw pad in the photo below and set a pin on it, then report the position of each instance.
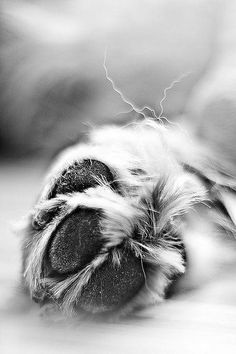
(76, 242)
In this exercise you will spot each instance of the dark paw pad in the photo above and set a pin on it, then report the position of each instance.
(112, 286)
(81, 176)
(76, 242)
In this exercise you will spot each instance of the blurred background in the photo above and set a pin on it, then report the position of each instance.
(53, 89)
(52, 81)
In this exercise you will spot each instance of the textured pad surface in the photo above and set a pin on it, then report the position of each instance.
(81, 176)
(76, 241)
(111, 286)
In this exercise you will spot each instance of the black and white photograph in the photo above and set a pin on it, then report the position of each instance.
(117, 176)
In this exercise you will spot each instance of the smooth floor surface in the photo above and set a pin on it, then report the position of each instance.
(202, 321)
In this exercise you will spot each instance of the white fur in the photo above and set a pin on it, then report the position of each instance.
(161, 196)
